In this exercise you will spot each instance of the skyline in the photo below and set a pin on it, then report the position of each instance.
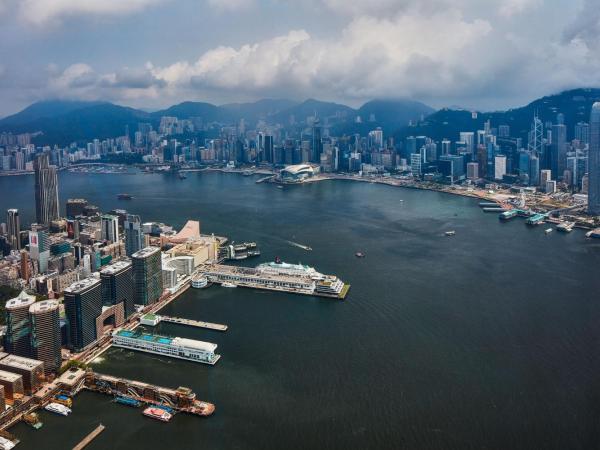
(152, 53)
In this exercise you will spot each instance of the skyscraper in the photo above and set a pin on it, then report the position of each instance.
(45, 334)
(117, 286)
(46, 190)
(110, 228)
(147, 275)
(594, 161)
(134, 235)
(18, 325)
(14, 228)
(559, 150)
(317, 144)
(83, 304)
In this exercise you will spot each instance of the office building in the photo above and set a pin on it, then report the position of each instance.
(110, 228)
(46, 190)
(83, 304)
(545, 176)
(118, 286)
(472, 171)
(45, 334)
(499, 167)
(147, 275)
(31, 370)
(559, 150)
(134, 236)
(12, 384)
(594, 162)
(76, 207)
(18, 325)
(317, 144)
(13, 229)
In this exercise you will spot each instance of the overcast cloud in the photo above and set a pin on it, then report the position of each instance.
(152, 53)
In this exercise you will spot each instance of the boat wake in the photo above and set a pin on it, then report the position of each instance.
(303, 247)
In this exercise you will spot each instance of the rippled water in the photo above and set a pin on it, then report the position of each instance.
(488, 339)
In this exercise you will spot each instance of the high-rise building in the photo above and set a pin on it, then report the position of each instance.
(499, 167)
(559, 149)
(110, 228)
(45, 334)
(147, 275)
(13, 228)
(32, 371)
(134, 236)
(582, 132)
(472, 171)
(46, 190)
(317, 144)
(594, 161)
(18, 325)
(83, 304)
(117, 286)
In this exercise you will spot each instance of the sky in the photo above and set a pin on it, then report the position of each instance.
(484, 54)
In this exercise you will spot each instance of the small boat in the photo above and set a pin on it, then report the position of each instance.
(128, 401)
(63, 400)
(6, 444)
(548, 230)
(228, 285)
(279, 186)
(58, 409)
(33, 420)
(182, 176)
(157, 413)
(359, 254)
(125, 197)
(450, 233)
(277, 260)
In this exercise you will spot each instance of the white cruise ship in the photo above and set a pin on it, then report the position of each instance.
(188, 349)
(57, 408)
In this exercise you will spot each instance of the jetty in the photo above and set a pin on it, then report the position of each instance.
(90, 437)
(154, 319)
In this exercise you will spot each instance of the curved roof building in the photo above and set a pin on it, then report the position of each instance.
(297, 172)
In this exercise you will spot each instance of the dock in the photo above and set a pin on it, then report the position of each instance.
(90, 437)
(154, 319)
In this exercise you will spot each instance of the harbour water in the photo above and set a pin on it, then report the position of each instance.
(486, 339)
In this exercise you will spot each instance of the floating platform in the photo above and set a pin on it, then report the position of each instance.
(154, 319)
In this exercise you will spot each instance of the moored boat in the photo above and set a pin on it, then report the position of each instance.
(57, 408)
(157, 413)
(228, 285)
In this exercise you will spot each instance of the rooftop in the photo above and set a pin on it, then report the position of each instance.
(20, 301)
(116, 267)
(9, 376)
(82, 285)
(44, 306)
(145, 252)
(19, 362)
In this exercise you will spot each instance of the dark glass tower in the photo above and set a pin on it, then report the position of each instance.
(117, 286)
(83, 304)
(46, 190)
(147, 275)
(594, 162)
(45, 334)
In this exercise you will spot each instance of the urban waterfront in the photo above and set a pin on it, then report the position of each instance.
(487, 339)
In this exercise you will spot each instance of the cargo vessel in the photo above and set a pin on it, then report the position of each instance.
(157, 413)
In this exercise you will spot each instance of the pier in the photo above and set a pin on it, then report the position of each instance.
(90, 437)
(181, 399)
(154, 319)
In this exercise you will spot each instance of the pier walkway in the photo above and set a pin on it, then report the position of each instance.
(154, 319)
(90, 437)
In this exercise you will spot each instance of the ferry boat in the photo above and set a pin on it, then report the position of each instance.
(125, 197)
(157, 413)
(228, 285)
(565, 227)
(595, 233)
(359, 254)
(254, 252)
(507, 215)
(6, 444)
(57, 408)
(199, 282)
(176, 347)
(128, 401)
(548, 230)
(450, 233)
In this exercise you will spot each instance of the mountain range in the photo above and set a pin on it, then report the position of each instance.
(62, 122)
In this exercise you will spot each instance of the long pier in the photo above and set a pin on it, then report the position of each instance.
(90, 437)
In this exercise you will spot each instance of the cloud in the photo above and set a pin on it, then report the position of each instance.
(231, 5)
(43, 11)
(509, 8)
(585, 29)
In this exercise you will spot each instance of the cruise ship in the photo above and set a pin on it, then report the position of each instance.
(176, 347)
(58, 409)
(278, 276)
